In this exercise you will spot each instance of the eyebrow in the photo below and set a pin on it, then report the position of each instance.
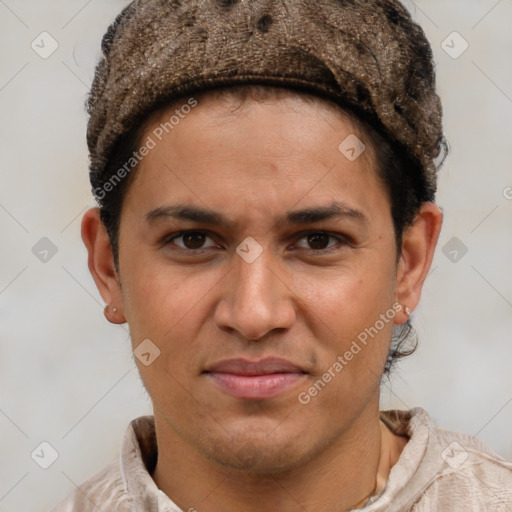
(335, 210)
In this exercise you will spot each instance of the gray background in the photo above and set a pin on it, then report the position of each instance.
(67, 376)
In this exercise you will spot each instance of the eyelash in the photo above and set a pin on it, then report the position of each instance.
(342, 240)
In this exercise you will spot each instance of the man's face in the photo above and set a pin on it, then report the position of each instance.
(248, 316)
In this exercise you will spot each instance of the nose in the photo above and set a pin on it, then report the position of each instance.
(255, 298)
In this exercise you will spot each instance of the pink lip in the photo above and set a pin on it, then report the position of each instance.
(256, 380)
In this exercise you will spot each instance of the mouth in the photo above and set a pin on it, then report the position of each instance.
(255, 380)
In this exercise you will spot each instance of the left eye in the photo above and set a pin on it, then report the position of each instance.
(319, 241)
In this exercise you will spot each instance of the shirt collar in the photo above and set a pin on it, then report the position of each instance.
(139, 453)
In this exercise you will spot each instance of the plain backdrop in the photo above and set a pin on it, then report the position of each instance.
(67, 377)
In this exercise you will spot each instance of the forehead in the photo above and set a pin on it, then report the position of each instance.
(226, 102)
(277, 148)
(270, 110)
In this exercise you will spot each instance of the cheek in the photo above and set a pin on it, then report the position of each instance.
(350, 299)
(157, 302)
(173, 307)
(352, 344)
(166, 306)
(160, 300)
(354, 320)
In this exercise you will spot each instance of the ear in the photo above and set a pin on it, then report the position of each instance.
(418, 245)
(101, 264)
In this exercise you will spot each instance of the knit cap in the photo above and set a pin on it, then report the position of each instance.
(369, 56)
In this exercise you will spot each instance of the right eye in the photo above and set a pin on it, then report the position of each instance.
(190, 240)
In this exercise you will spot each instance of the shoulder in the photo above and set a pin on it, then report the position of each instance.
(472, 475)
(104, 491)
(466, 475)
(123, 482)
(443, 470)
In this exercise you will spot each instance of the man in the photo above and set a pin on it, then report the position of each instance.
(266, 173)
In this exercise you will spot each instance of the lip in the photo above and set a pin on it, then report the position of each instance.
(255, 380)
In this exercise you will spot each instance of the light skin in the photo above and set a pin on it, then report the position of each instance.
(304, 299)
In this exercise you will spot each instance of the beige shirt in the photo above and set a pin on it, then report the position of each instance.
(437, 471)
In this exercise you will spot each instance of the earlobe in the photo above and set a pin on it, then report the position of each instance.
(112, 315)
(101, 264)
(418, 246)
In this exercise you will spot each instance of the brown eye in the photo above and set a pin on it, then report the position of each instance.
(189, 240)
(321, 241)
(193, 240)
(318, 240)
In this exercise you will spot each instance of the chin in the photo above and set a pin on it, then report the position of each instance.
(258, 459)
(258, 453)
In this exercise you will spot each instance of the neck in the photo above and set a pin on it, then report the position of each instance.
(340, 476)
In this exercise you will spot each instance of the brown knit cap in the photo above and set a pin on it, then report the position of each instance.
(367, 55)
